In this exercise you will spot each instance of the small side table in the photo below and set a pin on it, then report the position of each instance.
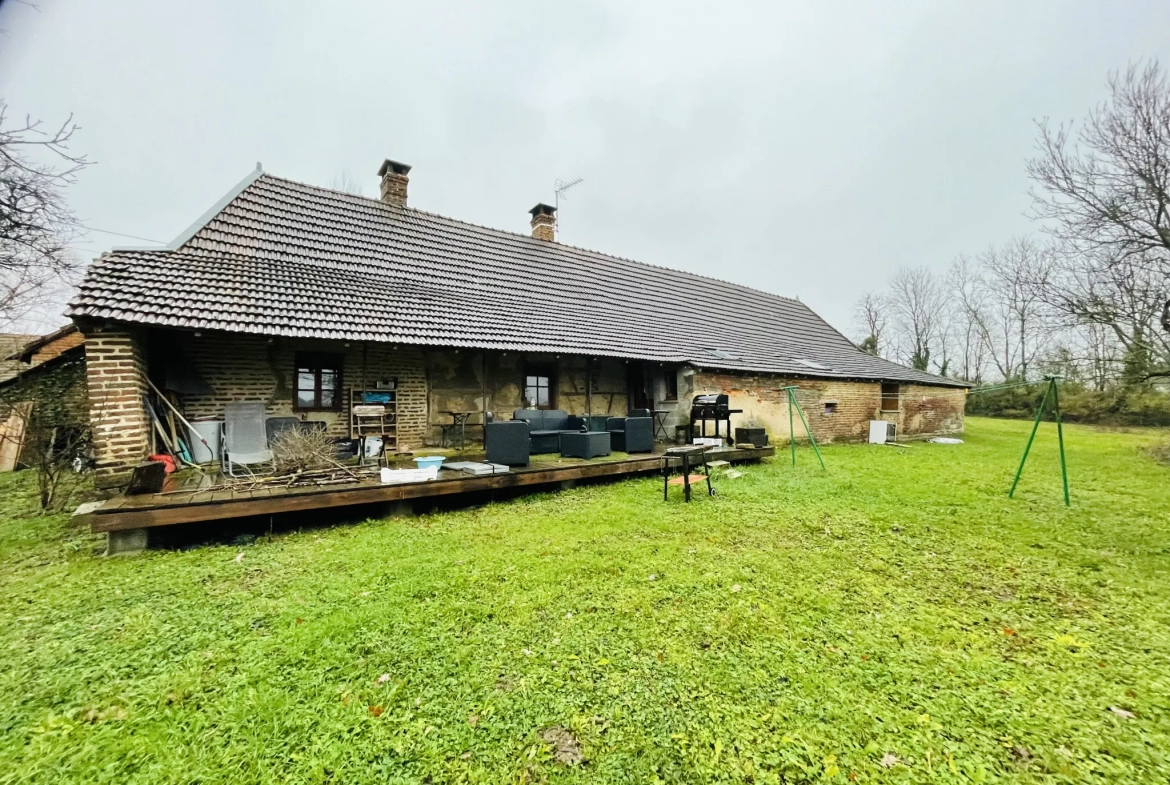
(591, 444)
(660, 416)
(458, 424)
(688, 455)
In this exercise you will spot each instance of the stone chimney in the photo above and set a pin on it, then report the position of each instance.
(544, 222)
(394, 182)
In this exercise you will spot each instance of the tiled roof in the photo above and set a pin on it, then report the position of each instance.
(288, 259)
(10, 346)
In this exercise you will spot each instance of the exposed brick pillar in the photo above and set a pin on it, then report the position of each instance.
(115, 368)
(544, 222)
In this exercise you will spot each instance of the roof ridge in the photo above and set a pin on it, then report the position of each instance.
(506, 232)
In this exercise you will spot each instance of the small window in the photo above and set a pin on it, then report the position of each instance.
(830, 407)
(540, 387)
(670, 386)
(318, 382)
(890, 398)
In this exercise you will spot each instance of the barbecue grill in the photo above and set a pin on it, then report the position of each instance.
(710, 407)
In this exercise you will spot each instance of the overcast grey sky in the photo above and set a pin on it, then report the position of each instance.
(807, 149)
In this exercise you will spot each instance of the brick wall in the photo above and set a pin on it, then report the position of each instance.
(115, 363)
(924, 410)
(253, 368)
(236, 367)
(56, 348)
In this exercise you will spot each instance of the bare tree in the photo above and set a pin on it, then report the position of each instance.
(917, 300)
(871, 316)
(347, 182)
(967, 306)
(1105, 191)
(1122, 294)
(1101, 354)
(36, 226)
(1014, 277)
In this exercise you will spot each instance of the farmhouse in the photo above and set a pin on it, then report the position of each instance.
(296, 296)
(43, 387)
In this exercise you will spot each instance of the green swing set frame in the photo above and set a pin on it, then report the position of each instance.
(794, 404)
(1051, 392)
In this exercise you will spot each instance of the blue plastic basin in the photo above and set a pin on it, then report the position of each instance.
(427, 461)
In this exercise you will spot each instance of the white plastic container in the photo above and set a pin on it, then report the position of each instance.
(390, 476)
(209, 430)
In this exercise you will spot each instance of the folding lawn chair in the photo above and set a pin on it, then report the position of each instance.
(245, 439)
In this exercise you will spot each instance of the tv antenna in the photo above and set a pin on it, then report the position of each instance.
(559, 188)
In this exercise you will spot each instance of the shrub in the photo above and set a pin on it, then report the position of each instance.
(1120, 406)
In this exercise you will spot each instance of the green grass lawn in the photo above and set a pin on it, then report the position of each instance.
(798, 627)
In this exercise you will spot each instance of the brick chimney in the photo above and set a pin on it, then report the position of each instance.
(394, 182)
(544, 222)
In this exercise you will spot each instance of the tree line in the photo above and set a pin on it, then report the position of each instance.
(1087, 296)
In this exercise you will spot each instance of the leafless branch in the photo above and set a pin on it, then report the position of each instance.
(36, 225)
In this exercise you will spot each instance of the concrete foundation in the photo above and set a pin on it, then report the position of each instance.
(127, 542)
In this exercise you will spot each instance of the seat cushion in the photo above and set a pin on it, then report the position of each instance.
(534, 418)
(555, 420)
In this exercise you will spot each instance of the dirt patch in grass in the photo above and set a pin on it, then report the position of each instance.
(566, 749)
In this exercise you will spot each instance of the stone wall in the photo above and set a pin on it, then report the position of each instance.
(475, 381)
(835, 410)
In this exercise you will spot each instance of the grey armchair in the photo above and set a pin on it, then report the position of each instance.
(506, 442)
(631, 434)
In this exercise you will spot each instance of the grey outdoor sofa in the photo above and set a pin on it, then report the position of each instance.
(545, 427)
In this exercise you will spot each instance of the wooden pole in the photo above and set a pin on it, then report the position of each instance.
(179, 414)
(589, 385)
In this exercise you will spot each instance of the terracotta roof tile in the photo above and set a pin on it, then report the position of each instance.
(284, 258)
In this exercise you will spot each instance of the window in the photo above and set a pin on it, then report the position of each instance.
(830, 407)
(890, 398)
(540, 387)
(670, 385)
(318, 383)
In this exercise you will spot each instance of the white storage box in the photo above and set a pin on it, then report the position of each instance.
(390, 476)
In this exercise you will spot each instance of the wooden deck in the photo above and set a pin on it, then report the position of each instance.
(179, 505)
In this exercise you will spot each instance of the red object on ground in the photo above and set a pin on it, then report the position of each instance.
(165, 460)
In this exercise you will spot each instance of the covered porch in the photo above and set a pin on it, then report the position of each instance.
(434, 396)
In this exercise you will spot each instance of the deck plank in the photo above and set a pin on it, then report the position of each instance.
(168, 509)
